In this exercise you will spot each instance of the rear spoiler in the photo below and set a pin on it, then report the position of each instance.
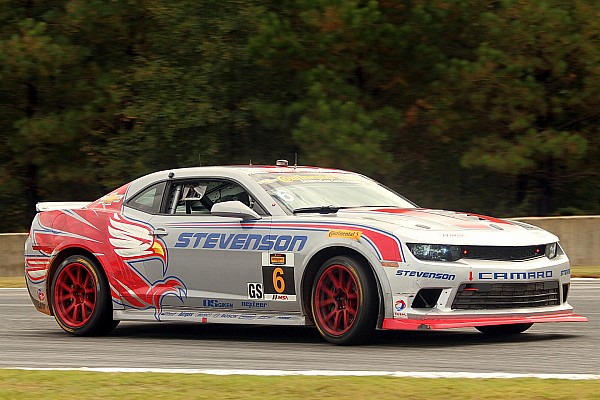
(60, 205)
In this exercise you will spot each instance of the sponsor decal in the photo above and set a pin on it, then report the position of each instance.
(400, 307)
(41, 295)
(565, 272)
(277, 259)
(452, 235)
(515, 275)
(204, 315)
(344, 234)
(216, 304)
(426, 274)
(255, 291)
(185, 314)
(310, 178)
(280, 297)
(241, 241)
(254, 304)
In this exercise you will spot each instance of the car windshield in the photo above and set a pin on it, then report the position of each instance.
(327, 192)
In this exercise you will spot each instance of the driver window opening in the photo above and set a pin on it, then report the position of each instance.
(198, 197)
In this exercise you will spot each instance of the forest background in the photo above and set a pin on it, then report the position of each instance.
(486, 106)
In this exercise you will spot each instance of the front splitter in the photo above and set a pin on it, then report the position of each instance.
(448, 323)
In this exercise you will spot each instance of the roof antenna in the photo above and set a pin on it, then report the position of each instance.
(250, 162)
(295, 160)
(199, 160)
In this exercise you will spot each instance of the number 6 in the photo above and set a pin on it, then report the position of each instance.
(278, 282)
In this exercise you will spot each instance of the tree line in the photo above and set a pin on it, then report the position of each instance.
(486, 106)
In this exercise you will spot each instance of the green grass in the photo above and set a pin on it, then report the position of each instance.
(12, 281)
(585, 272)
(60, 384)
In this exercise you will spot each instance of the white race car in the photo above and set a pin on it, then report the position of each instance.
(288, 245)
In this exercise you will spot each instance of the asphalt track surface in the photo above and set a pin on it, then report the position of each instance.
(29, 339)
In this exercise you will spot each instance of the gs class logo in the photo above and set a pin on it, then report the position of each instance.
(255, 291)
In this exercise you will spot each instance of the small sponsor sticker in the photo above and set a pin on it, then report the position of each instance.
(280, 297)
(400, 307)
(344, 234)
(277, 259)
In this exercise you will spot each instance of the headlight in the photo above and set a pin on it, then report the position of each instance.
(435, 252)
(551, 250)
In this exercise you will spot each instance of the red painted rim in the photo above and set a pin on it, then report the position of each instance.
(75, 294)
(336, 300)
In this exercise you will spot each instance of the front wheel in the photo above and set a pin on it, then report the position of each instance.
(80, 298)
(344, 301)
(511, 329)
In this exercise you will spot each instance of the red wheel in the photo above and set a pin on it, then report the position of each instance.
(75, 294)
(81, 301)
(344, 301)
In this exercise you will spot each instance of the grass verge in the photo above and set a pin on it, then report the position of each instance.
(71, 384)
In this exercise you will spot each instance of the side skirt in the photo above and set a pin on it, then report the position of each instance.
(207, 317)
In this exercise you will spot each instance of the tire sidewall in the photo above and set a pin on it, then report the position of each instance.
(366, 317)
(100, 312)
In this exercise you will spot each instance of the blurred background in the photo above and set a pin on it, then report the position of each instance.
(486, 106)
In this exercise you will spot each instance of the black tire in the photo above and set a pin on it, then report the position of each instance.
(80, 298)
(511, 329)
(344, 301)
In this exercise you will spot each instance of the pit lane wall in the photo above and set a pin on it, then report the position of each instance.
(579, 236)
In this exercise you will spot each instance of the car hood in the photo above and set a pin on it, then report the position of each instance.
(450, 227)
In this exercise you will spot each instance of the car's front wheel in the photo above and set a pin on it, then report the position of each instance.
(80, 297)
(344, 301)
(511, 329)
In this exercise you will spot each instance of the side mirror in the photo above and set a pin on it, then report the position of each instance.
(235, 209)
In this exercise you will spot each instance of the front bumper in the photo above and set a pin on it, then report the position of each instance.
(447, 323)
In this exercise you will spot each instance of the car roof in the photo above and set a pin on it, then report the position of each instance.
(235, 172)
(257, 169)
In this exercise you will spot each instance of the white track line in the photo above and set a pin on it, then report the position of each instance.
(271, 372)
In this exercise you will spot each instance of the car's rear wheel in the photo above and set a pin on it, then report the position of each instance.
(511, 329)
(80, 298)
(344, 301)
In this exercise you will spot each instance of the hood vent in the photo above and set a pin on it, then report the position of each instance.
(422, 226)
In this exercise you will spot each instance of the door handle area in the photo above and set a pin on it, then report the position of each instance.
(159, 232)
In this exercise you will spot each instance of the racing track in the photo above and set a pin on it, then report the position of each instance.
(31, 339)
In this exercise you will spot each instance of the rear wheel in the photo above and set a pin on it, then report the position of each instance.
(80, 298)
(511, 329)
(344, 301)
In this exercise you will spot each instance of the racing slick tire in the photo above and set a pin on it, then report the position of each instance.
(511, 329)
(80, 298)
(344, 301)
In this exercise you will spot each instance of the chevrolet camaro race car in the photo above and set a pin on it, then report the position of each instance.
(288, 245)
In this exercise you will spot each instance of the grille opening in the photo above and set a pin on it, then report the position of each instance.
(426, 298)
(489, 296)
(503, 253)
(565, 292)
